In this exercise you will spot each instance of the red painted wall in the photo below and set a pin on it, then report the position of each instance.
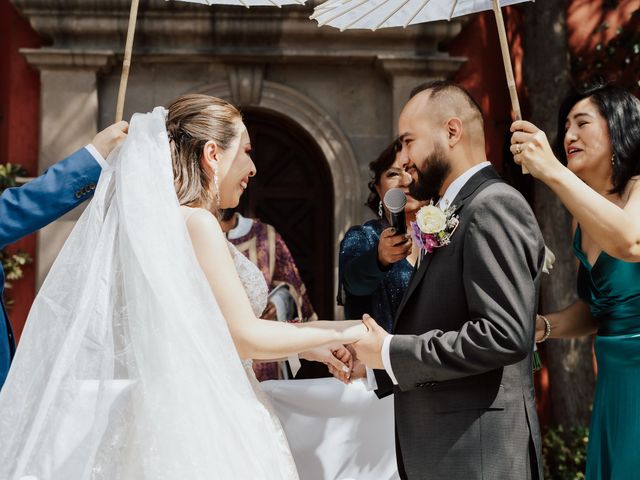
(19, 120)
(594, 38)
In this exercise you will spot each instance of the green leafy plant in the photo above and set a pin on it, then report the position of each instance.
(565, 452)
(9, 175)
(12, 262)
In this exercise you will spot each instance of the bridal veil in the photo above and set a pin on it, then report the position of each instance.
(126, 368)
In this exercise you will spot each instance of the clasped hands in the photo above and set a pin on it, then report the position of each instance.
(349, 362)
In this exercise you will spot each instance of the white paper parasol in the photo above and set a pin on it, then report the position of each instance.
(374, 14)
(126, 64)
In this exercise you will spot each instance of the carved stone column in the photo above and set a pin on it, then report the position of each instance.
(245, 83)
(68, 121)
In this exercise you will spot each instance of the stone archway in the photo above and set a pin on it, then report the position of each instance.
(249, 91)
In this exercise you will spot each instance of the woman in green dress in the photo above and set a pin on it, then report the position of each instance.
(596, 178)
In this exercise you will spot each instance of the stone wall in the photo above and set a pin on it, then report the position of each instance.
(345, 88)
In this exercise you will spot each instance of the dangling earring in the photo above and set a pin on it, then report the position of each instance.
(380, 211)
(215, 184)
(613, 160)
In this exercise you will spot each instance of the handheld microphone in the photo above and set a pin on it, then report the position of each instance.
(395, 201)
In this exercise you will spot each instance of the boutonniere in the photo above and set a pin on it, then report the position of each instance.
(434, 227)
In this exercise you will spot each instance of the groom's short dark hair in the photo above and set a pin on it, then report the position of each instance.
(439, 87)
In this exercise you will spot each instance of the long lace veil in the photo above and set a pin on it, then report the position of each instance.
(126, 368)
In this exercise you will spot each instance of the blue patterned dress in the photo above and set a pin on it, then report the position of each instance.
(611, 288)
(366, 286)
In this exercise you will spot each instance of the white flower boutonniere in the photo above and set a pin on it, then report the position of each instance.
(549, 260)
(433, 227)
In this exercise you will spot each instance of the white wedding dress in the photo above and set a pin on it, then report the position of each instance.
(126, 368)
(257, 291)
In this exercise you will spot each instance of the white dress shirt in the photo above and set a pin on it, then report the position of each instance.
(96, 154)
(445, 202)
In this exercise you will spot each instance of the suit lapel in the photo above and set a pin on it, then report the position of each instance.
(487, 175)
(418, 273)
(476, 181)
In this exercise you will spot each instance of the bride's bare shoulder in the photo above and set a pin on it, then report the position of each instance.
(201, 222)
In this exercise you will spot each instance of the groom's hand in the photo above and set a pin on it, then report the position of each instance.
(369, 349)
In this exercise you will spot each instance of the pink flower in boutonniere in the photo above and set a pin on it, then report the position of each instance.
(433, 227)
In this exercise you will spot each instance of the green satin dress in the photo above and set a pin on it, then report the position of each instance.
(611, 288)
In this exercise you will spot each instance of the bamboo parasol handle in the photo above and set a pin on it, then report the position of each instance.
(508, 69)
(126, 64)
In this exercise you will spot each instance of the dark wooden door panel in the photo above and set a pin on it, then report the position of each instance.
(293, 191)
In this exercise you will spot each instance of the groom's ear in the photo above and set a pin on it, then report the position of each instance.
(454, 131)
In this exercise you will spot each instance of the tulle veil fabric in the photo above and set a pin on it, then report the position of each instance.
(126, 368)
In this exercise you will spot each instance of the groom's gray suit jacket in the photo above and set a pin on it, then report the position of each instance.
(462, 354)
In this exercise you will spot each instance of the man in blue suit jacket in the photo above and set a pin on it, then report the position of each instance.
(25, 209)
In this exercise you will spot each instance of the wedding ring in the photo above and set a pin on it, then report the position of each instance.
(519, 149)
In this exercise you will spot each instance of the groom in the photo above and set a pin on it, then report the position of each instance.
(459, 361)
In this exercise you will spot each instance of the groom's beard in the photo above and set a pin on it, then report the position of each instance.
(430, 180)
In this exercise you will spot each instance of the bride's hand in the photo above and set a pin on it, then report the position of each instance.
(351, 330)
(336, 357)
(344, 332)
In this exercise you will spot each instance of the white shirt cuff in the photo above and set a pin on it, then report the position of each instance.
(294, 364)
(96, 154)
(386, 358)
(371, 382)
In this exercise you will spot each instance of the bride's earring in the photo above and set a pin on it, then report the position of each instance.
(216, 183)
(380, 211)
(613, 160)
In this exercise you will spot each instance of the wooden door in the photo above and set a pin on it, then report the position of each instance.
(293, 191)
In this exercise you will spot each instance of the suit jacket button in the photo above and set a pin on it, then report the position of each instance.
(79, 194)
(92, 186)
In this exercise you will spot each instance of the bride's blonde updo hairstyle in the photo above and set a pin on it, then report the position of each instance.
(192, 121)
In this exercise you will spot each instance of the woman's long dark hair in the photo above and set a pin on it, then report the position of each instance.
(621, 110)
(377, 168)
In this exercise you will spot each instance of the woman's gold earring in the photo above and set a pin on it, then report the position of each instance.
(613, 160)
(380, 211)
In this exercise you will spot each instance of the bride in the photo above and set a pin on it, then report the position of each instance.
(129, 366)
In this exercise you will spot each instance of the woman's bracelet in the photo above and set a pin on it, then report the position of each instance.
(547, 328)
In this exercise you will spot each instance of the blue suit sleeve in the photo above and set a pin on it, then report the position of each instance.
(65, 185)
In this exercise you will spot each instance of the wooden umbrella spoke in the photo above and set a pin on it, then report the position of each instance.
(398, 8)
(418, 12)
(365, 15)
(453, 9)
(341, 13)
